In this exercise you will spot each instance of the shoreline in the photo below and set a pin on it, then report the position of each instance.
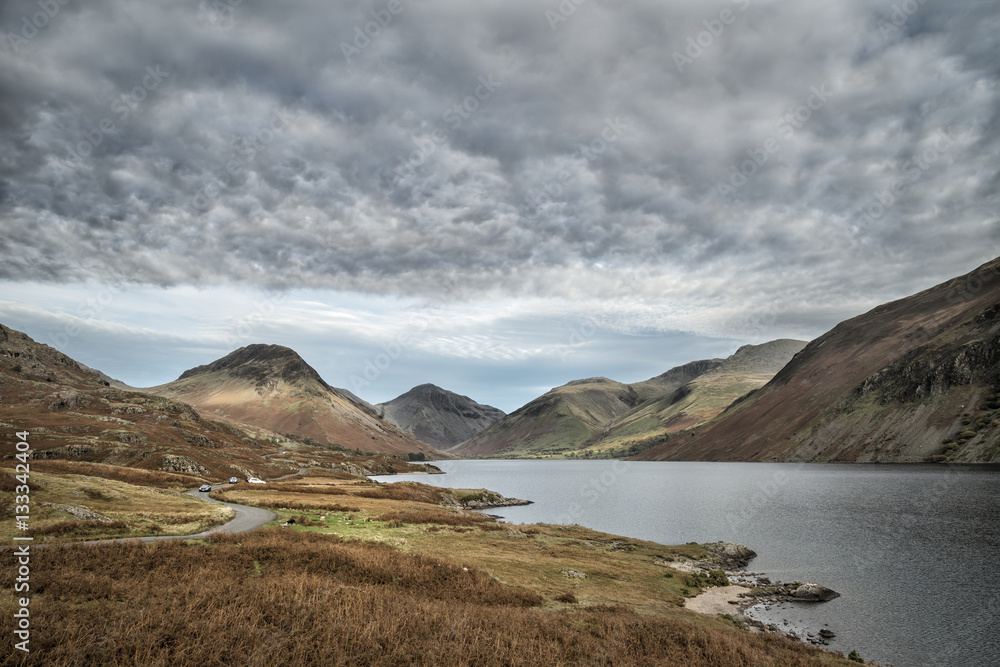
(744, 591)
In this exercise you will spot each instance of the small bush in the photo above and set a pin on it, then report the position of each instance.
(855, 657)
(567, 597)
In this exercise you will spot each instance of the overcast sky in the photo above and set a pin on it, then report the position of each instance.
(495, 196)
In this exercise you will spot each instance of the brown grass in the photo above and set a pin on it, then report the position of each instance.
(135, 476)
(331, 474)
(81, 528)
(405, 491)
(299, 505)
(280, 597)
(442, 517)
(290, 487)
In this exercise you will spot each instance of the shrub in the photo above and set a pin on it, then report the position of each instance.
(855, 657)
(567, 597)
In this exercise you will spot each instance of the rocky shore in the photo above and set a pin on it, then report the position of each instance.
(479, 499)
(744, 591)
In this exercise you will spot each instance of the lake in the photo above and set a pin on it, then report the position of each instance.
(914, 550)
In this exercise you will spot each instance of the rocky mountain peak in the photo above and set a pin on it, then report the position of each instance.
(260, 363)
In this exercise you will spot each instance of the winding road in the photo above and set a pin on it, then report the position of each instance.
(247, 517)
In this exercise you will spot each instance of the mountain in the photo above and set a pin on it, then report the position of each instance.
(75, 413)
(912, 380)
(704, 397)
(437, 416)
(675, 378)
(563, 419)
(273, 387)
(601, 416)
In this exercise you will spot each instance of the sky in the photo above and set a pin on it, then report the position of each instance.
(496, 197)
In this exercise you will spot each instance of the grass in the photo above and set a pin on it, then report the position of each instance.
(368, 574)
(132, 510)
(283, 597)
(137, 476)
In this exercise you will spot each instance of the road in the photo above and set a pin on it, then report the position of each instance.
(247, 518)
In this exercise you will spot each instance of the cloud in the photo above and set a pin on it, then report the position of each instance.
(441, 151)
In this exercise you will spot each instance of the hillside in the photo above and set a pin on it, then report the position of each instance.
(272, 387)
(704, 397)
(438, 417)
(562, 419)
(912, 380)
(602, 417)
(73, 412)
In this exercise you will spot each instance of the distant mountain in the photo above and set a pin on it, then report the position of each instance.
(561, 420)
(675, 378)
(75, 413)
(271, 386)
(912, 380)
(437, 416)
(598, 415)
(704, 397)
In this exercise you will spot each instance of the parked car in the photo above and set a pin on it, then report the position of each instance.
(205, 487)
(234, 480)
(254, 480)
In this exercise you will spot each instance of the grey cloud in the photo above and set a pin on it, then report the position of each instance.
(322, 200)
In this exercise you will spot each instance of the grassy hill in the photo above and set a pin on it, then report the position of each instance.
(601, 417)
(912, 380)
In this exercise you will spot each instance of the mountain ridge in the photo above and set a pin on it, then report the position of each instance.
(597, 414)
(272, 387)
(437, 416)
(897, 383)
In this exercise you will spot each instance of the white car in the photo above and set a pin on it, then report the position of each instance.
(254, 480)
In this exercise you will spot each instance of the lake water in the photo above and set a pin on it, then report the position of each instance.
(913, 550)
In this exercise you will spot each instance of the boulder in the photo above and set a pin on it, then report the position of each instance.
(183, 464)
(813, 593)
(731, 556)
